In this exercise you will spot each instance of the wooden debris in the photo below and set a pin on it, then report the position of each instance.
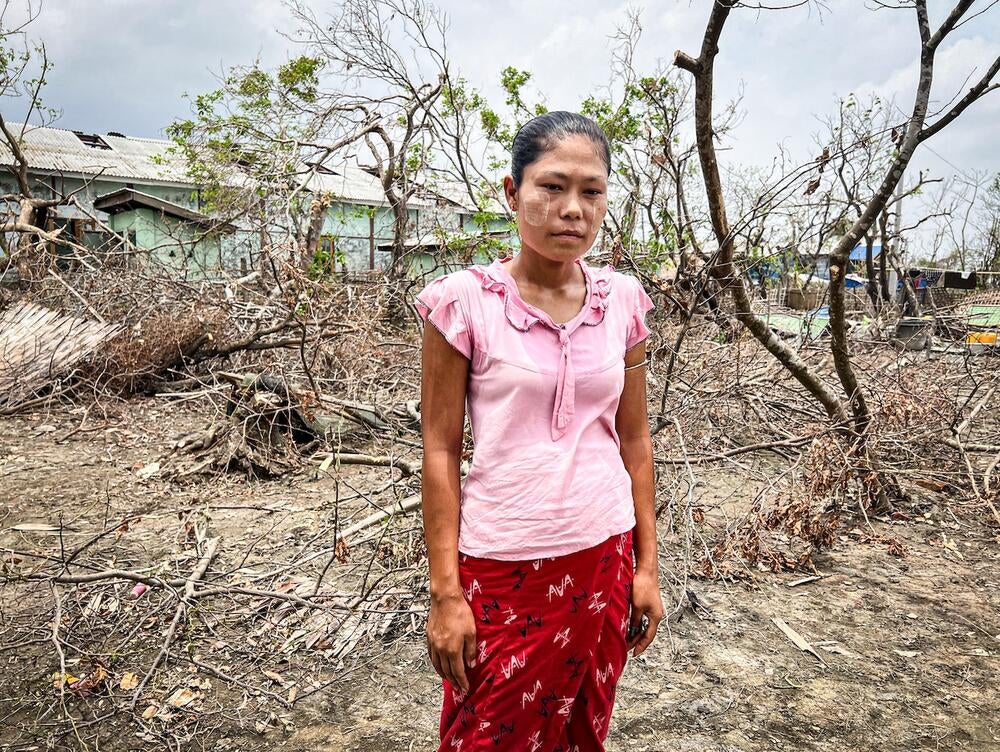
(798, 640)
(832, 646)
(270, 427)
(39, 346)
(405, 505)
(35, 527)
(804, 580)
(344, 458)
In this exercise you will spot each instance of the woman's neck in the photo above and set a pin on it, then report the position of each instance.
(542, 273)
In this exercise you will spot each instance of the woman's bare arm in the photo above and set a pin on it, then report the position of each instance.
(450, 625)
(632, 425)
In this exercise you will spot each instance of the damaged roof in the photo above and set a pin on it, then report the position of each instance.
(457, 193)
(116, 156)
(60, 151)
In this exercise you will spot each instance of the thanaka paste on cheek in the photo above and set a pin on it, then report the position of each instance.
(595, 208)
(593, 214)
(535, 208)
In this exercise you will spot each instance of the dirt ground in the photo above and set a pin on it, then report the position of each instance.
(907, 649)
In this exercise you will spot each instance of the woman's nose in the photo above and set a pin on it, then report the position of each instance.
(572, 208)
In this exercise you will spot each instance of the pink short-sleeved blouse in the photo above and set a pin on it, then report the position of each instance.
(547, 477)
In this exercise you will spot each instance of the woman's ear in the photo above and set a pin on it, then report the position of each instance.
(510, 192)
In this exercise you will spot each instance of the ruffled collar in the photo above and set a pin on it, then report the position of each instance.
(523, 315)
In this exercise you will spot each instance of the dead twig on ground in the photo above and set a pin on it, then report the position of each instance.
(211, 546)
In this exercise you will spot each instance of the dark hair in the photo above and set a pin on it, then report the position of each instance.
(540, 134)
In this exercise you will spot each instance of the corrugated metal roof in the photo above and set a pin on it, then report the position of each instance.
(130, 158)
(457, 193)
(125, 199)
(62, 151)
(352, 183)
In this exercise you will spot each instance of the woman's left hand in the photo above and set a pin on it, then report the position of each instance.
(646, 601)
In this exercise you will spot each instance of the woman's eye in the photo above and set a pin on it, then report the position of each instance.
(552, 187)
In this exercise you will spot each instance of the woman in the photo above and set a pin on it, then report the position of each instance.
(543, 564)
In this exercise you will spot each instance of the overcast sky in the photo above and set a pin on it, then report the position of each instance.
(124, 65)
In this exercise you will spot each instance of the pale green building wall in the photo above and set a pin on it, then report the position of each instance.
(179, 246)
(353, 225)
(350, 225)
(426, 265)
(185, 196)
(495, 223)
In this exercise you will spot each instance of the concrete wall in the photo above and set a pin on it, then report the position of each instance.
(181, 247)
(352, 228)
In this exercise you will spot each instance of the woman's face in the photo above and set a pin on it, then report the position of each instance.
(562, 199)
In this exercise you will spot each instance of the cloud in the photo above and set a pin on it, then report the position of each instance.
(565, 45)
(957, 65)
(794, 65)
(124, 65)
(967, 142)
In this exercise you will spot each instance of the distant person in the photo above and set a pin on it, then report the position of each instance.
(543, 564)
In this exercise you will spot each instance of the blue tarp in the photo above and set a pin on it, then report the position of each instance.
(853, 280)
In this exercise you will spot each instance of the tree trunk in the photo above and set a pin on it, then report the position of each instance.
(872, 286)
(400, 226)
(883, 274)
(30, 259)
(722, 269)
(317, 217)
(910, 303)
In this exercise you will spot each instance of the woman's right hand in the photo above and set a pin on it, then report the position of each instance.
(451, 638)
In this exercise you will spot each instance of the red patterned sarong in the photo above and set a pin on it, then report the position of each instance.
(551, 646)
